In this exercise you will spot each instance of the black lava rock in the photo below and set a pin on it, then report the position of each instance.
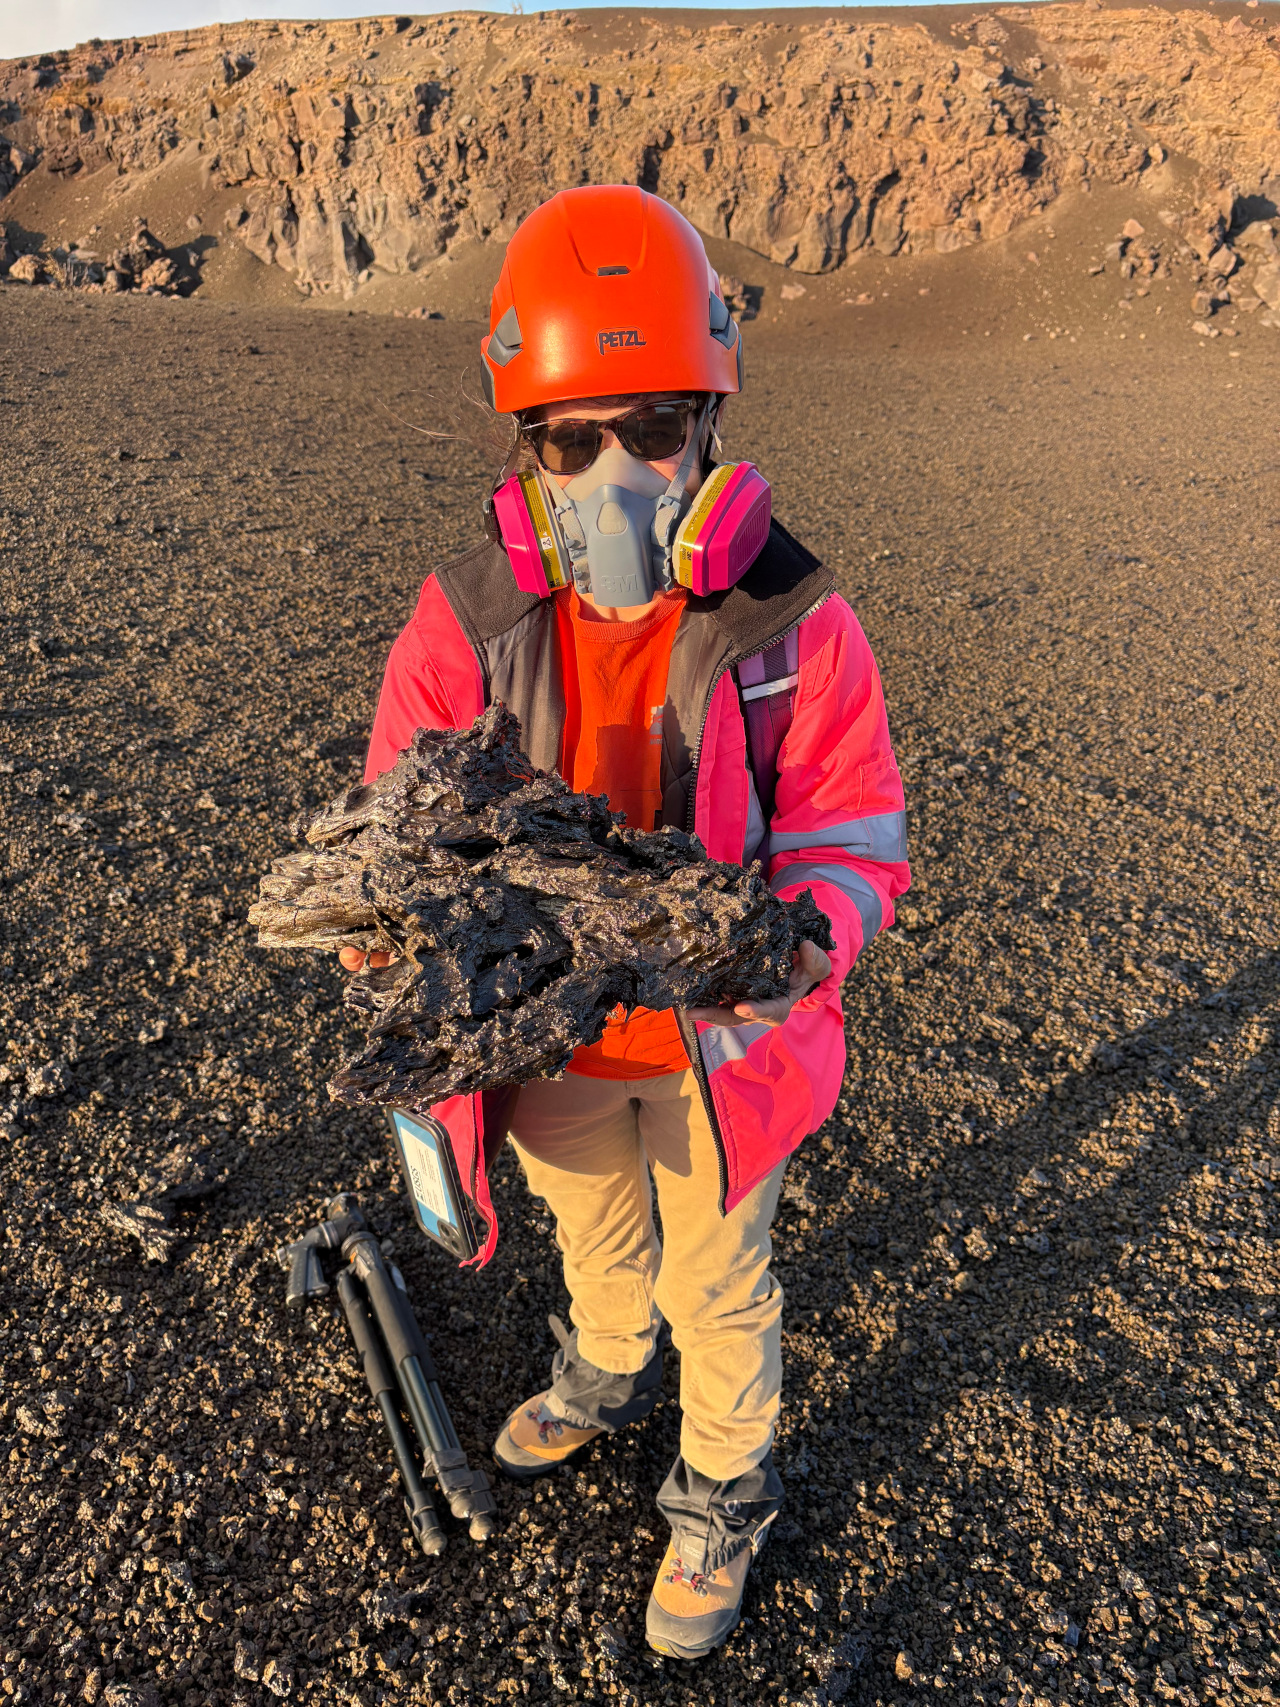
(520, 915)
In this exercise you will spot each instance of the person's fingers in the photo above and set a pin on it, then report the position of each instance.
(714, 1016)
(815, 961)
(356, 960)
(808, 968)
(763, 1013)
(744, 1013)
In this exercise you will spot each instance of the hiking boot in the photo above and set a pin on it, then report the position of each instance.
(691, 1612)
(534, 1439)
(717, 1528)
(581, 1403)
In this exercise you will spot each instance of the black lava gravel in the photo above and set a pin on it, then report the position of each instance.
(1030, 1428)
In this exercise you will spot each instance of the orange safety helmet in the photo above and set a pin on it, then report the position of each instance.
(607, 292)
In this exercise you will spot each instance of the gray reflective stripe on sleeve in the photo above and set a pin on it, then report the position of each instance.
(753, 841)
(860, 892)
(881, 837)
(720, 1044)
(764, 689)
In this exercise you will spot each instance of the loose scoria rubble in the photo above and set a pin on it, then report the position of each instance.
(142, 264)
(520, 913)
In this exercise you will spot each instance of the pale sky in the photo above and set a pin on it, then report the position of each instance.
(39, 26)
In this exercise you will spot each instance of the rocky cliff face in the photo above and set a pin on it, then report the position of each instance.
(380, 144)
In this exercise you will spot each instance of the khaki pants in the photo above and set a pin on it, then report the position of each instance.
(589, 1146)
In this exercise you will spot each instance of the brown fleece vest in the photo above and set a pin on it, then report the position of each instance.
(514, 637)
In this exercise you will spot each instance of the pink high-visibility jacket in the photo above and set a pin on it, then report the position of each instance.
(838, 824)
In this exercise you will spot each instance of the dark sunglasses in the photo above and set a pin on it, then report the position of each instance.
(653, 432)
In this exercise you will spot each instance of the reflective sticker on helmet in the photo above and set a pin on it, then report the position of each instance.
(628, 339)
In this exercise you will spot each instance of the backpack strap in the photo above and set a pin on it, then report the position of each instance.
(767, 689)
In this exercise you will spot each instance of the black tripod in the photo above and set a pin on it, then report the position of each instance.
(397, 1366)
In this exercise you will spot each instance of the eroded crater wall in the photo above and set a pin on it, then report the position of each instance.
(381, 144)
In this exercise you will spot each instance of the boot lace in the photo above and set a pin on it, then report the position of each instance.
(693, 1580)
(547, 1425)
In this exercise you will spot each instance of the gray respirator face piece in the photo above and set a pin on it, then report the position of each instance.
(615, 504)
(618, 519)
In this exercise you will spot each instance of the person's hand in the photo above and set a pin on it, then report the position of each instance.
(356, 960)
(808, 967)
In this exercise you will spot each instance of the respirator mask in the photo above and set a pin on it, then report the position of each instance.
(622, 532)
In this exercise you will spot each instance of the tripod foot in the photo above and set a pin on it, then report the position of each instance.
(427, 1531)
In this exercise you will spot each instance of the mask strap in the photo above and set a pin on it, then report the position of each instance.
(510, 463)
(715, 435)
(671, 505)
(570, 525)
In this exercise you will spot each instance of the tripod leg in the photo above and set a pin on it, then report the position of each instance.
(466, 1490)
(383, 1386)
(417, 1501)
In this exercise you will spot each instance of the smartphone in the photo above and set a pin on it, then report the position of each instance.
(440, 1205)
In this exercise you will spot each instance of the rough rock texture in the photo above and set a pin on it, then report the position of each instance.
(142, 263)
(1228, 255)
(382, 143)
(184, 1177)
(27, 270)
(520, 915)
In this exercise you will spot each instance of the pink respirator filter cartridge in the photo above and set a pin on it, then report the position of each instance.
(530, 536)
(716, 543)
(725, 531)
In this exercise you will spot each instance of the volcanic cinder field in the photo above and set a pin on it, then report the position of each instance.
(1030, 1431)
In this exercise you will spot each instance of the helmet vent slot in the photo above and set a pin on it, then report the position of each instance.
(722, 324)
(506, 342)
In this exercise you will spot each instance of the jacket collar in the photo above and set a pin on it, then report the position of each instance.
(783, 585)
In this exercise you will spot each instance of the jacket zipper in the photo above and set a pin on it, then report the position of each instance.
(724, 669)
(688, 1030)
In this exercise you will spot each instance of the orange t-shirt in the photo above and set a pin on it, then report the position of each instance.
(614, 676)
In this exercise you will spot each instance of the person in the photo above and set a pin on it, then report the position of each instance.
(612, 350)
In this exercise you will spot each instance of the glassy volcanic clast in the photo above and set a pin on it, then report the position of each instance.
(520, 914)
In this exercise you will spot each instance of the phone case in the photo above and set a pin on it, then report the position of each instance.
(440, 1205)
